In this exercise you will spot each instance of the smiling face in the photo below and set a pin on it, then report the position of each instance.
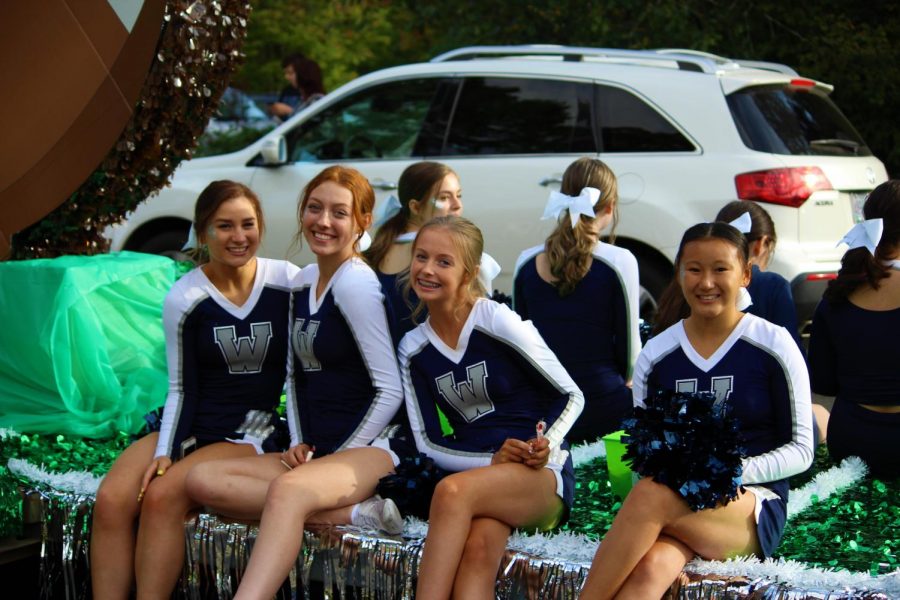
(712, 273)
(328, 223)
(447, 200)
(437, 273)
(232, 233)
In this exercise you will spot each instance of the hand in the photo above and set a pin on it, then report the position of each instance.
(540, 453)
(295, 456)
(156, 468)
(512, 451)
(280, 109)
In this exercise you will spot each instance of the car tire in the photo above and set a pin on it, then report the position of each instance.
(166, 243)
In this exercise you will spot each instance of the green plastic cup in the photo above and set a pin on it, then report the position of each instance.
(620, 475)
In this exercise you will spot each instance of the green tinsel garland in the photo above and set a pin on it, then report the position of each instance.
(856, 530)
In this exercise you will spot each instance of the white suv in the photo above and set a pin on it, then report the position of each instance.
(684, 131)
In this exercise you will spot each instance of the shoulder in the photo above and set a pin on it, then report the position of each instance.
(663, 343)
(412, 343)
(187, 291)
(772, 339)
(526, 256)
(278, 273)
(354, 276)
(500, 321)
(619, 258)
(305, 277)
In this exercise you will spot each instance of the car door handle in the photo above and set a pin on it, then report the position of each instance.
(381, 184)
(550, 180)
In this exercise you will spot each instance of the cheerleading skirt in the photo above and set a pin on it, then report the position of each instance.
(872, 436)
(771, 514)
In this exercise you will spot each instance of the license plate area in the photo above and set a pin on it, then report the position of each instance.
(857, 200)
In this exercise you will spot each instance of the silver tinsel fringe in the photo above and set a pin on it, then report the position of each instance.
(336, 559)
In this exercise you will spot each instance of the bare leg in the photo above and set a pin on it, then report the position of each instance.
(116, 509)
(657, 570)
(514, 494)
(476, 576)
(337, 480)
(652, 509)
(160, 542)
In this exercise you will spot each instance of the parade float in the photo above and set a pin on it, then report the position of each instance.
(82, 356)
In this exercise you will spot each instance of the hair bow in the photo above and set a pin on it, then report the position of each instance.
(743, 223)
(865, 234)
(191, 242)
(387, 210)
(488, 270)
(743, 301)
(582, 204)
(364, 241)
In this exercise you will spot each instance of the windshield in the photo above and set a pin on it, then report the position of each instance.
(790, 120)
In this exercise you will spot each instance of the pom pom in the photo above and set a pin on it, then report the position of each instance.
(688, 442)
(412, 485)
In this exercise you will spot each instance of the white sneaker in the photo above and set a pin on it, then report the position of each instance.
(379, 513)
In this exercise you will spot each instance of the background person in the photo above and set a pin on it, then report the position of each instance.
(757, 368)
(226, 326)
(853, 350)
(304, 78)
(582, 295)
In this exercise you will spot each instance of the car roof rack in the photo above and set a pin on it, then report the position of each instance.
(686, 60)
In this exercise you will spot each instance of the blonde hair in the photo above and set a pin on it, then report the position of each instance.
(569, 249)
(469, 243)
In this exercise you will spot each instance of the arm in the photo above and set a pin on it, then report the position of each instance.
(627, 317)
(358, 296)
(523, 337)
(520, 304)
(178, 413)
(790, 387)
(784, 312)
(822, 355)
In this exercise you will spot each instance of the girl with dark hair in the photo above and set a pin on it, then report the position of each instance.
(757, 369)
(582, 295)
(343, 389)
(304, 78)
(770, 292)
(853, 354)
(509, 402)
(226, 326)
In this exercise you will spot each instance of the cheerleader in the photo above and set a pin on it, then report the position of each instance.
(426, 190)
(852, 353)
(344, 387)
(226, 327)
(495, 380)
(582, 295)
(746, 361)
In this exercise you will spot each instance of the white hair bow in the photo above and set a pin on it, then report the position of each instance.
(582, 204)
(743, 223)
(363, 243)
(488, 270)
(387, 210)
(865, 234)
(191, 242)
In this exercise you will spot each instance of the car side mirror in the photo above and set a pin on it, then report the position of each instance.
(274, 151)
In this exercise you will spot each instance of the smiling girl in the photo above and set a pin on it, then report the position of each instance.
(226, 326)
(491, 374)
(343, 389)
(745, 361)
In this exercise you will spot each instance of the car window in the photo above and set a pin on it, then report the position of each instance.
(498, 115)
(382, 121)
(628, 124)
(790, 120)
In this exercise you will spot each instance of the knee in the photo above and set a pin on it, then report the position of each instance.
(203, 484)
(164, 497)
(449, 496)
(652, 497)
(113, 506)
(289, 489)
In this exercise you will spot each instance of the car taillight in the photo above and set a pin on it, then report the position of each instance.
(790, 187)
(820, 276)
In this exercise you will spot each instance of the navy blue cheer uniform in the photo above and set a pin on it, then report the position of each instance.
(223, 360)
(854, 356)
(344, 382)
(498, 382)
(773, 301)
(760, 372)
(593, 331)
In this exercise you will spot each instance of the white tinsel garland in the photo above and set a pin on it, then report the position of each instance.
(76, 482)
(835, 479)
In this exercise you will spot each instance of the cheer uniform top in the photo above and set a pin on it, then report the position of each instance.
(344, 385)
(593, 331)
(759, 371)
(854, 356)
(498, 382)
(223, 360)
(773, 301)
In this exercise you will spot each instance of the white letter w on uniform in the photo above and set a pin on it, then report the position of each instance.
(470, 398)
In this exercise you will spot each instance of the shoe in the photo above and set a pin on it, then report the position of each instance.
(379, 513)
